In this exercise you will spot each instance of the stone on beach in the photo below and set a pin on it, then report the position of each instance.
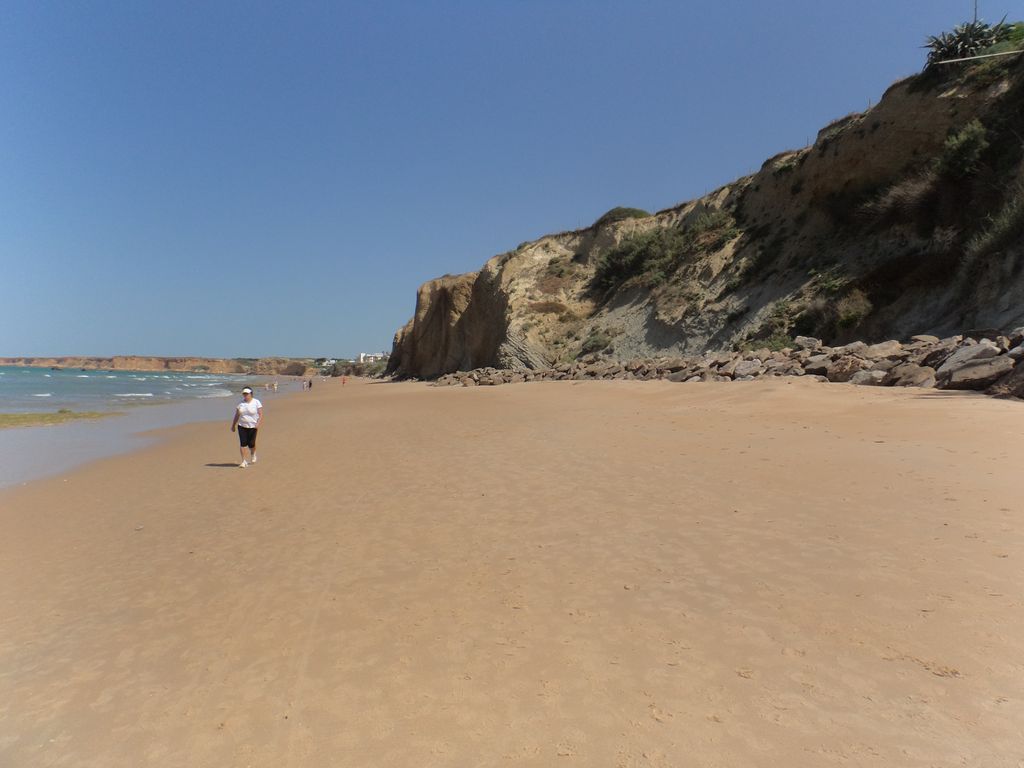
(964, 363)
(978, 373)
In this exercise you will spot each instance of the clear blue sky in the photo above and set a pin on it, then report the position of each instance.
(247, 179)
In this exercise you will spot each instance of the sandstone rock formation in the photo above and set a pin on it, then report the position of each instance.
(460, 324)
(882, 229)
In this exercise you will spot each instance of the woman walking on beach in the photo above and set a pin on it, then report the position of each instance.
(248, 416)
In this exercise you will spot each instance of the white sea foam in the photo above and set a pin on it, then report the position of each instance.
(215, 393)
(46, 375)
(133, 394)
(83, 376)
(44, 394)
(111, 377)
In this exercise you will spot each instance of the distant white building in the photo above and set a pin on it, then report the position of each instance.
(372, 357)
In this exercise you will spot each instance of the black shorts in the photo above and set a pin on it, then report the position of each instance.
(247, 437)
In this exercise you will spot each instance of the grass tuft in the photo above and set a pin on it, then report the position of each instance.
(595, 342)
(963, 150)
(1003, 230)
(650, 258)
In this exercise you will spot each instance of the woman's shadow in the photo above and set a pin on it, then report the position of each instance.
(235, 465)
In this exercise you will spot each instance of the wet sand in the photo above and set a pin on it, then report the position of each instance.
(33, 452)
(598, 573)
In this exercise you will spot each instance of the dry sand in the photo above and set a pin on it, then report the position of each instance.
(602, 574)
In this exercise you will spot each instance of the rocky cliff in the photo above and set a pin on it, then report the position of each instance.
(905, 219)
(259, 366)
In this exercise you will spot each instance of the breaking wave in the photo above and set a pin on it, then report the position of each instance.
(215, 393)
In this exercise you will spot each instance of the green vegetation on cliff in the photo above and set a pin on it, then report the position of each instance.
(1001, 230)
(620, 214)
(905, 219)
(649, 258)
(972, 38)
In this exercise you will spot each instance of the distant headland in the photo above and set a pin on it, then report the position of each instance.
(281, 366)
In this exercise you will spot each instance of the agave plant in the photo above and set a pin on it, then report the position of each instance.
(965, 40)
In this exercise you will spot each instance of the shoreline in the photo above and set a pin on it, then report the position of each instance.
(577, 571)
(29, 453)
(40, 402)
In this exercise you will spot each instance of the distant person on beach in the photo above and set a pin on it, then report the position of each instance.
(248, 416)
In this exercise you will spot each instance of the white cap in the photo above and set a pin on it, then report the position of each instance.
(246, 391)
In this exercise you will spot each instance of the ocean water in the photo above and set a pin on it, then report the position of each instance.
(42, 389)
(142, 401)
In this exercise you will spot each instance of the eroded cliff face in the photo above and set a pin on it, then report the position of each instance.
(462, 322)
(259, 366)
(437, 337)
(901, 220)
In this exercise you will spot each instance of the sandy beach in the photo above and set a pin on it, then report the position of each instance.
(598, 574)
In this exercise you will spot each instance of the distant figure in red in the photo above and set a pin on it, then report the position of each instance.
(344, 380)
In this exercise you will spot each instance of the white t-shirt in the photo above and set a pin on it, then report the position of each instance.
(248, 413)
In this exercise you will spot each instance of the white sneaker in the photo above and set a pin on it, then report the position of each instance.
(243, 465)
(253, 459)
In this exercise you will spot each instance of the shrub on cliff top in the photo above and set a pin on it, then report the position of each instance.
(619, 214)
(966, 40)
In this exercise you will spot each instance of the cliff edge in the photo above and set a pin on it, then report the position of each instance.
(905, 219)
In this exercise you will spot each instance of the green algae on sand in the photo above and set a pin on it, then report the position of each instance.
(47, 419)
